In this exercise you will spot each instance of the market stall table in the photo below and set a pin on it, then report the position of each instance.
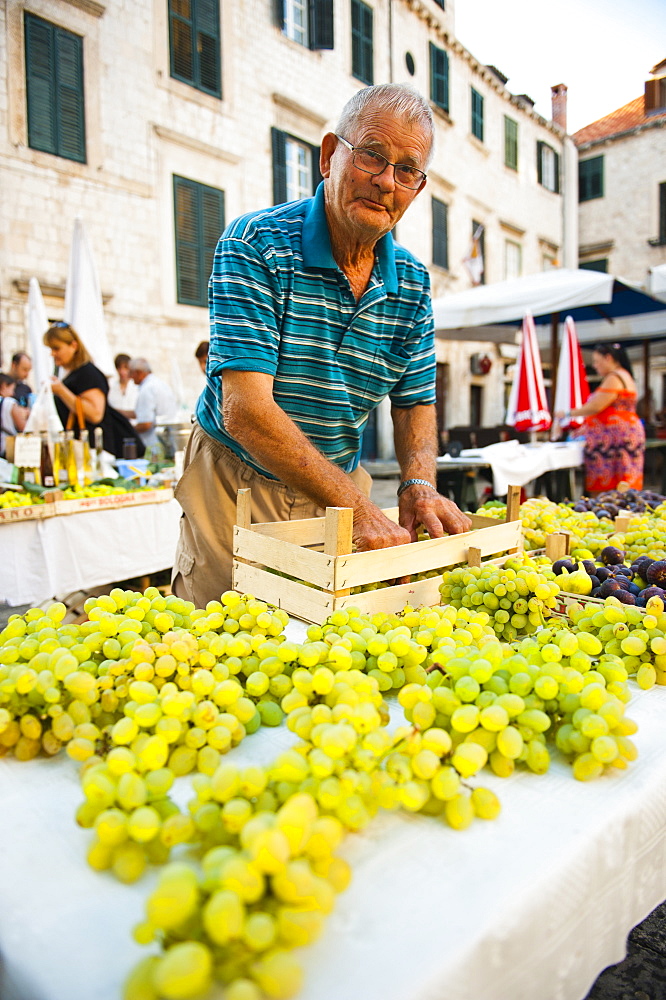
(507, 462)
(531, 905)
(58, 555)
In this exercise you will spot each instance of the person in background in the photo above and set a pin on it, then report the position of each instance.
(19, 370)
(201, 354)
(13, 416)
(316, 315)
(155, 402)
(614, 434)
(123, 391)
(83, 380)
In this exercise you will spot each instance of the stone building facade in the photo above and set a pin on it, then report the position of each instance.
(157, 121)
(622, 202)
(622, 185)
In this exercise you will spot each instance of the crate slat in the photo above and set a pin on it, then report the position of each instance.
(361, 568)
(303, 602)
(285, 557)
(421, 593)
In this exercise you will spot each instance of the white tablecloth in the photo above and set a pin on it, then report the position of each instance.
(515, 464)
(531, 906)
(69, 552)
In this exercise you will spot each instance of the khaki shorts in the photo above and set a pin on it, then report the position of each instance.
(207, 493)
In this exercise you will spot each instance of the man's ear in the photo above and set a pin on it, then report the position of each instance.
(328, 146)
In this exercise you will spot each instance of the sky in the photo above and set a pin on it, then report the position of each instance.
(602, 49)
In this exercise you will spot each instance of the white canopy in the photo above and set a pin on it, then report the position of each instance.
(656, 283)
(556, 290)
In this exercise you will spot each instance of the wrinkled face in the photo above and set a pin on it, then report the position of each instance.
(63, 353)
(22, 369)
(372, 204)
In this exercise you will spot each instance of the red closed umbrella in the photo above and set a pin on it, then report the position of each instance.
(528, 406)
(572, 385)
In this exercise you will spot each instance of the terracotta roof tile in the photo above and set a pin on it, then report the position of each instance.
(623, 120)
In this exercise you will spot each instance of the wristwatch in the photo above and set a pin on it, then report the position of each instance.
(414, 482)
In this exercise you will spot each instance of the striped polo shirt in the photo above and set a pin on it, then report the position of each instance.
(280, 304)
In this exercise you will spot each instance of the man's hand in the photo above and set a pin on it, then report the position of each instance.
(422, 505)
(374, 530)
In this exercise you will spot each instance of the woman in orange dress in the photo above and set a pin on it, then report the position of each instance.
(614, 434)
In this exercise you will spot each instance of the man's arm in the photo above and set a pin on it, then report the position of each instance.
(415, 435)
(263, 429)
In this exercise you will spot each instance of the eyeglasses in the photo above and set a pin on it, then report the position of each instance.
(374, 163)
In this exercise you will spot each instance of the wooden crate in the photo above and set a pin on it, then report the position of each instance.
(320, 569)
(33, 512)
(113, 501)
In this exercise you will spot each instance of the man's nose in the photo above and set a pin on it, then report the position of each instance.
(386, 179)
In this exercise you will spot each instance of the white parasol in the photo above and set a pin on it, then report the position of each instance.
(83, 301)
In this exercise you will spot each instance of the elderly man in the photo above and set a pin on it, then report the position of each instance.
(155, 402)
(19, 369)
(316, 316)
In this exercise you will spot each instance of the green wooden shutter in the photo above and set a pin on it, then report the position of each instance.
(362, 44)
(477, 114)
(591, 178)
(207, 53)
(40, 84)
(662, 212)
(54, 85)
(278, 14)
(199, 221)
(211, 213)
(539, 154)
(440, 236)
(187, 241)
(278, 143)
(316, 173)
(181, 40)
(71, 121)
(321, 24)
(439, 77)
(556, 157)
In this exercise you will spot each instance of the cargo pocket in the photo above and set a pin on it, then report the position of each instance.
(181, 577)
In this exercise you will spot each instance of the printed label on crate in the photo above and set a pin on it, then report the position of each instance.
(113, 501)
(32, 512)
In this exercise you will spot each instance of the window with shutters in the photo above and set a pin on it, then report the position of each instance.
(439, 77)
(510, 143)
(54, 89)
(295, 167)
(548, 167)
(477, 114)
(440, 233)
(199, 221)
(194, 43)
(591, 178)
(662, 212)
(513, 259)
(309, 22)
(362, 51)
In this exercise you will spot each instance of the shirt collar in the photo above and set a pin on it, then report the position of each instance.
(317, 244)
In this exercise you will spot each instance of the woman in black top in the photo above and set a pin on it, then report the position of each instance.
(83, 380)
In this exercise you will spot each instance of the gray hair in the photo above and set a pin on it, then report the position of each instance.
(139, 365)
(395, 98)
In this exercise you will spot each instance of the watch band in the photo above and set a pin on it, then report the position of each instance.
(414, 482)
